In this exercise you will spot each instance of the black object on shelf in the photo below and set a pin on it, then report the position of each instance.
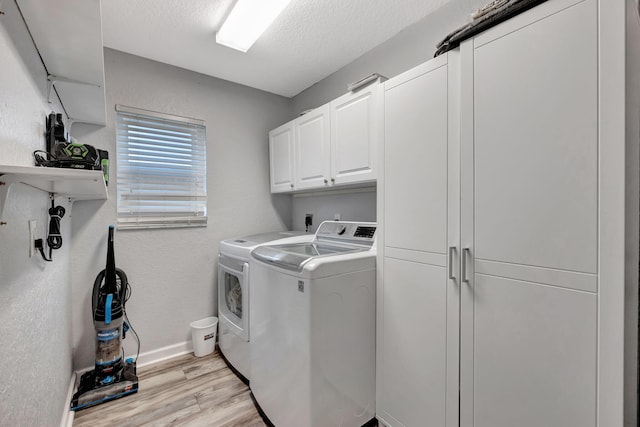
(485, 20)
(55, 131)
(61, 153)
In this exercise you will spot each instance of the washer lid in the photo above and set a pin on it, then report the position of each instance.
(241, 247)
(294, 256)
(257, 239)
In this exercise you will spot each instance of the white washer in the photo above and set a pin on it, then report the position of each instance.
(313, 322)
(233, 294)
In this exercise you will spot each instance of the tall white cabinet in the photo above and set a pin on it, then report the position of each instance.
(502, 212)
(530, 222)
(418, 302)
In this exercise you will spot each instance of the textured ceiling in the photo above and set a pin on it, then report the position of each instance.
(310, 39)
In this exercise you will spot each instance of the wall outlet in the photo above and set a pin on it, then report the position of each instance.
(32, 237)
(337, 217)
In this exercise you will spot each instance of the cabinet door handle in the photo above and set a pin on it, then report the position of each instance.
(452, 251)
(466, 252)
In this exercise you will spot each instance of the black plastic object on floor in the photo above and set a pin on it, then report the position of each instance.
(112, 376)
(490, 15)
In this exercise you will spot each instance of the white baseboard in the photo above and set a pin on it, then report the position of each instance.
(164, 353)
(68, 415)
(154, 356)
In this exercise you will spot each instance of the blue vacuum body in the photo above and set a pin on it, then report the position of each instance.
(112, 377)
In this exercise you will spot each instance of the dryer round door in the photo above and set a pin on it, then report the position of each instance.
(233, 295)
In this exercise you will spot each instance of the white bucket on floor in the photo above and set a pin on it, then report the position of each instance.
(203, 335)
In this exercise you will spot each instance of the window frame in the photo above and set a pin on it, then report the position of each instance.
(196, 214)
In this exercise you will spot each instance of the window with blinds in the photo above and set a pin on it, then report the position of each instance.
(161, 170)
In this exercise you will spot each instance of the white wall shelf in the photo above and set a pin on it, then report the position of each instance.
(68, 36)
(71, 183)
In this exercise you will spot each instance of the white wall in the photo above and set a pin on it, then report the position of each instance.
(35, 331)
(173, 271)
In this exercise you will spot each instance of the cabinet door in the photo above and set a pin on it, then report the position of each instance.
(414, 353)
(418, 317)
(281, 158)
(354, 136)
(529, 220)
(313, 164)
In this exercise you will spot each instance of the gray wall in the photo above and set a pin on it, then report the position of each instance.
(412, 46)
(632, 216)
(352, 205)
(173, 271)
(34, 295)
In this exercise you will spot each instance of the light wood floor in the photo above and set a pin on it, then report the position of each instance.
(185, 391)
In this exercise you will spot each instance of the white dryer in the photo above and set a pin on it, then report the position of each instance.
(233, 294)
(313, 320)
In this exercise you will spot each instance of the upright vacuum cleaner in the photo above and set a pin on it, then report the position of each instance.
(112, 376)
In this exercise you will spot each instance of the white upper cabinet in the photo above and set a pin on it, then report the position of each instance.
(354, 136)
(312, 149)
(332, 145)
(281, 158)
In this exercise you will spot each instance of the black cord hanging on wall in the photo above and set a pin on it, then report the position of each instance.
(54, 238)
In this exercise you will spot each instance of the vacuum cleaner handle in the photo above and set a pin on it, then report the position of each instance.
(98, 285)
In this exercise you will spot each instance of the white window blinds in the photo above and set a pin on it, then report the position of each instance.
(161, 170)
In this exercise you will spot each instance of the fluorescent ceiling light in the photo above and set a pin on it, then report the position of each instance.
(247, 21)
